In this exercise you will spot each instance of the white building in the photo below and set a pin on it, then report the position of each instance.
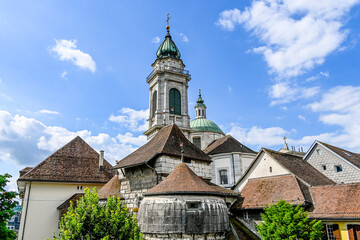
(55, 180)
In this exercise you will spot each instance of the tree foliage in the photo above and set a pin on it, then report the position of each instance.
(93, 220)
(7, 204)
(284, 221)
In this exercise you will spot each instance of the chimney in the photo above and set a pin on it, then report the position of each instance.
(101, 161)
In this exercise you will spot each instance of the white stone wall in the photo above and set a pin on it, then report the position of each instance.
(237, 165)
(166, 164)
(350, 173)
(206, 137)
(185, 237)
(164, 79)
(40, 207)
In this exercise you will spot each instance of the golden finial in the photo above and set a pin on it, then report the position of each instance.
(167, 21)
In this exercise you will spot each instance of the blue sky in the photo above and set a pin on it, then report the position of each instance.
(266, 69)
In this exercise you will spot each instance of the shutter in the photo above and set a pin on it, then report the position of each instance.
(336, 232)
(357, 231)
(350, 229)
(174, 101)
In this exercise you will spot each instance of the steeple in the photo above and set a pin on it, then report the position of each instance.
(168, 86)
(200, 107)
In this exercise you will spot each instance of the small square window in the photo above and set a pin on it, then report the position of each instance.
(324, 167)
(318, 151)
(338, 168)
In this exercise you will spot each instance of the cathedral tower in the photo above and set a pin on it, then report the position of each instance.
(168, 87)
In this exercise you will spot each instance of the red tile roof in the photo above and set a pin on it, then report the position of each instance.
(167, 142)
(336, 202)
(74, 162)
(111, 188)
(184, 181)
(260, 192)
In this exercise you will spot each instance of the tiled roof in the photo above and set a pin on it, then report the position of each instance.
(353, 158)
(184, 181)
(167, 142)
(111, 188)
(227, 144)
(63, 208)
(24, 171)
(300, 168)
(74, 162)
(265, 191)
(336, 202)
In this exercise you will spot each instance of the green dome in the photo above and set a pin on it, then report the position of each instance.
(168, 48)
(203, 125)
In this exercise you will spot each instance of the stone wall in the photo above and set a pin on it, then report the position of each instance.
(166, 164)
(350, 174)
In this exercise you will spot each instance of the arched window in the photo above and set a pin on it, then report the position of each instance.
(154, 104)
(174, 101)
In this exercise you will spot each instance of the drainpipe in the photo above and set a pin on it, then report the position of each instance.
(233, 167)
(27, 205)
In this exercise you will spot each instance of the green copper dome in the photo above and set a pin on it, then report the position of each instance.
(168, 48)
(203, 125)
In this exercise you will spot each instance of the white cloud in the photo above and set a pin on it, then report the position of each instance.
(27, 141)
(64, 74)
(297, 34)
(6, 97)
(301, 117)
(135, 120)
(156, 39)
(49, 112)
(317, 76)
(66, 51)
(258, 136)
(184, 37)
(284, 93)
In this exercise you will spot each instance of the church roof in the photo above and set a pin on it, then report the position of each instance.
(168, 48)
(74, 162)
(227, 144)
(165, 142)
(184, 181)
(204, 125)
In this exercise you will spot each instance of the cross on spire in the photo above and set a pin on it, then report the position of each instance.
(167, 19)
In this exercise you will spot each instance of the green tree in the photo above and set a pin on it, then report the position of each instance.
(7, 204)
(284, 221)
(93, 220)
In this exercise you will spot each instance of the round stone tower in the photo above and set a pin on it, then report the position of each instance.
(184, 206)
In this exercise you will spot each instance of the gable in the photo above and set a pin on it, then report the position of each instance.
(260, 169)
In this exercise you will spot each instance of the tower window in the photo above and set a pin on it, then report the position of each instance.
(154, 104)
(203, 113)
(174, 101)
(223, 177)
(197, 141)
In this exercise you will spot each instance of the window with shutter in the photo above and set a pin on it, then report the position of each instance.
(354, 231)
(174, 101)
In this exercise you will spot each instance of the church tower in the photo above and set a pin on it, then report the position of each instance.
(168, 89)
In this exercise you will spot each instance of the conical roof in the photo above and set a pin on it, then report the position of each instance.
(165, 142)
(168, 48)
(184, 181)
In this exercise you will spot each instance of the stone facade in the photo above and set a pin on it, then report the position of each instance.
(167, 74)
(183, 217)
(325, 161)
(138, 180)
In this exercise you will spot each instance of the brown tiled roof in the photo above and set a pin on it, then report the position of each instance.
(74, 162)
(353, 158)
(111, 188)
(24, 171)
(227, 144)
(336, 202)
(63, 208)
(260, 192)
(300, 168)
(166, 141)
(184, 181)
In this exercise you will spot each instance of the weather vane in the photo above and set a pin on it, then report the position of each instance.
(167, 18)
